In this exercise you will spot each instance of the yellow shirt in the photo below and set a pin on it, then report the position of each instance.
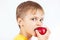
(20, 37)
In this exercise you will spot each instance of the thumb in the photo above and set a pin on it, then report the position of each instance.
(37, 33)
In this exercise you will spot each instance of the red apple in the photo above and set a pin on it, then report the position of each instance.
(41, 30)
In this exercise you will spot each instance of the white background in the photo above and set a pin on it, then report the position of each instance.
(8, 25)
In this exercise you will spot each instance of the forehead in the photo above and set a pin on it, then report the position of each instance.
(35, 13)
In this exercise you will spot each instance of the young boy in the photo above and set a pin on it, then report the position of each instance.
(30, 16)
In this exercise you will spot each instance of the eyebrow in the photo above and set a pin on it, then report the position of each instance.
(38, 17)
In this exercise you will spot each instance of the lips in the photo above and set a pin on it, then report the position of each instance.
(41, 30)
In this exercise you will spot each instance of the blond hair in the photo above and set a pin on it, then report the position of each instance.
(25, 6)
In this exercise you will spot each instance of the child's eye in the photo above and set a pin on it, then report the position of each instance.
(34, 19)
(41, 20)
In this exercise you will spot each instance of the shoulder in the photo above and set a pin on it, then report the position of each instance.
(20, 37)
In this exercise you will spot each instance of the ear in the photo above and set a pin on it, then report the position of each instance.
(20, 22)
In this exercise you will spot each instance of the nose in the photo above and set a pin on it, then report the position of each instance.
(39, 23)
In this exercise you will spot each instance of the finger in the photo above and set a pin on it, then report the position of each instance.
(38, 34)
(48, 31)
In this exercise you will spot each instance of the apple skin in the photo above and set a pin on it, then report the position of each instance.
(41, 30)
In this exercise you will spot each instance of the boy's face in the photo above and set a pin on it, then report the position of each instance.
(32, 21)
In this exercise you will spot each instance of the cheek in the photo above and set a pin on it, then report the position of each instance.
(29, 27)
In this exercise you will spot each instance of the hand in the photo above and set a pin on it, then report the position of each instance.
(43, 37)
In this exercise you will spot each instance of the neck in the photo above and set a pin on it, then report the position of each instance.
(24, 33)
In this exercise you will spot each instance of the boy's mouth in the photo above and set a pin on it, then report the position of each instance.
(41, 30)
